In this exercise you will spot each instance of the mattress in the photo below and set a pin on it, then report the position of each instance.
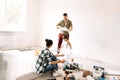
(16, 63)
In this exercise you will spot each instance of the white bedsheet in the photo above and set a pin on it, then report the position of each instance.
(17, 63)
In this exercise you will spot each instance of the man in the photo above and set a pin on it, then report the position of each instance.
(65, 27)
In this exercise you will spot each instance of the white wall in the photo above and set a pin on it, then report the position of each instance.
(95, 32)
(9, 40)
(96, 26)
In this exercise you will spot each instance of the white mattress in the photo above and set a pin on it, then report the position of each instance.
(17, 63)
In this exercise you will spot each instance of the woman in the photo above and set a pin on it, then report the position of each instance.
(47, 61)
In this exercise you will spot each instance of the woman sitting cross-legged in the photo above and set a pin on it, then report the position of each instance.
(47, 61)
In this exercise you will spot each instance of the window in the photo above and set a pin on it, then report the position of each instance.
(12, 15)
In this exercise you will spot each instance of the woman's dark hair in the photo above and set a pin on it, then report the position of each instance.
(49, 42)
(64, 14)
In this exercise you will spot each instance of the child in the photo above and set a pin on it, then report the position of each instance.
(66, 46)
